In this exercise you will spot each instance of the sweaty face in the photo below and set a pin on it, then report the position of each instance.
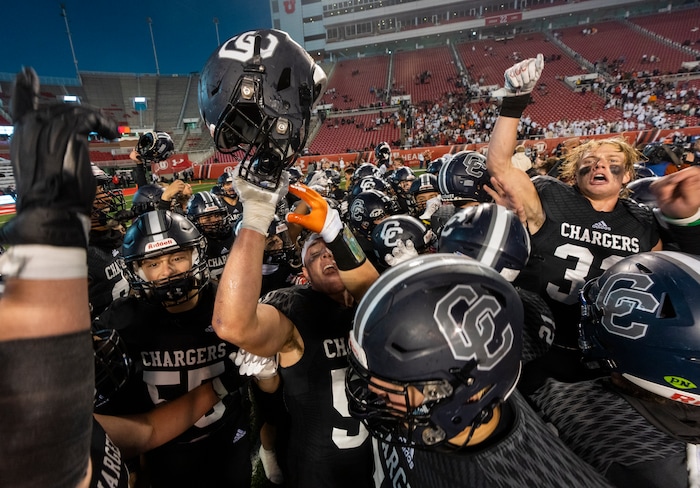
(166, 266)
(321, 269)
(601, 172)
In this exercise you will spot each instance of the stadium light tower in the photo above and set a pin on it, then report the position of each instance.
(153, 42)
(70, 40)
(216, 26)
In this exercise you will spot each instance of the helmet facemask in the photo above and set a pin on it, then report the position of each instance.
(106, 203)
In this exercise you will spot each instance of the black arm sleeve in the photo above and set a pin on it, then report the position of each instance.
(46, 398)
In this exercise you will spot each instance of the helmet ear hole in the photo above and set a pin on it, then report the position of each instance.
(284, 81)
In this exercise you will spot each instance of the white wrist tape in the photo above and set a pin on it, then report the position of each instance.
(42, 262)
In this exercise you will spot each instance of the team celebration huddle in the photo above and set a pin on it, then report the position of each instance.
(471, 325)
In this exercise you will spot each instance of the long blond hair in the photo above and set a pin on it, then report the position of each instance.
(571, 163)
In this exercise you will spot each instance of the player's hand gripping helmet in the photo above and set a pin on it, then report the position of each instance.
(386, 236)
(163, 232)
(490, 234)
(463, 177)
(146, 199)
(641, 318)
(382, 153)
(154, 147)
(256, 92)
(210, 215)
(446, 327)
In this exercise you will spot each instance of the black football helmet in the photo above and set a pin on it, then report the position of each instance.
(146, 199)
(445, 326)
(641, 318)
(364, 170)
(210, 215)
(108, 201)
(640, 191)
(641, 171)
(256, 92)
(154, 147)
(163, 232)
(436, 164)
(279, 247)
(424, 183)
(658, 152)
(463, 177)
(227, 190)
(113, 366)
(295, 175)
(401, 180)
(382, 153)
(369, 183)
(367, 208)
(490, 234)
(386, 236)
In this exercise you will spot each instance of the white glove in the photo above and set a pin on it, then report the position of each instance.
(521, 78)
(259, 204)
(402, 252)
(431, 207)
(251, 365)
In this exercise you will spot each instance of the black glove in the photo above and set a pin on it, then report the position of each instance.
(51, 163)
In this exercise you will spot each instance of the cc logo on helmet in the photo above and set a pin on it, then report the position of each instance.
(470, 324)
(357, 210)
(391, 234)
(622, 295)
(241, 47)
(367, 184)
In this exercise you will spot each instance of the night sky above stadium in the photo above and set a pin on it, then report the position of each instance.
(114, 36)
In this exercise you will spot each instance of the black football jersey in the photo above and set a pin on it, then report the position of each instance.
(217, 254)
(577, 243)
(525, 454)
(108, 468)
(173, 353)
(602, 428)
(106, 282)
(327, 447)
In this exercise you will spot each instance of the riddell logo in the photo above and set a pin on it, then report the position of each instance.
(289, 6)
(154, 246)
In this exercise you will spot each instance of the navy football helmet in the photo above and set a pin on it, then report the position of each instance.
(463, 177)
(641, 319)
(386, 236)
(401, 179)
(367, 208)
(210, 215)
(446, 327)
(154, 147)
(490, 234)
(113, 366)
(364, 170)
(163, 232)
(369, 183)
(146, 199)
(256, 92)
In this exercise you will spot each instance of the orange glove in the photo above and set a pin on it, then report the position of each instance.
(323, 220)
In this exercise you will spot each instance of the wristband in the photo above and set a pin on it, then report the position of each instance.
(692, 221)
(514, 106)
(347, 252)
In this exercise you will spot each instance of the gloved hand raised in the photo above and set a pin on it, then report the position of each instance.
(521, 78)
(49, 150)
(51, 163)
(259, 204)
(322, 219)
